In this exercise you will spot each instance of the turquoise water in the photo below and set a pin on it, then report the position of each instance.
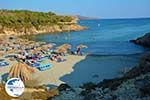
(108, 44)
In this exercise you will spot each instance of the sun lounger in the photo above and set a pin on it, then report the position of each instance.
(44, 67)
(41, 59)
(61, 60)
(1, 60)
(10, 56)
(4, 64)
(33, 64)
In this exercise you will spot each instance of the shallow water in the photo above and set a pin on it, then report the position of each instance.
(97, 68)
(108, 45)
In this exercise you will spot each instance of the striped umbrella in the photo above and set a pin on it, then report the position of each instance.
(21, 70)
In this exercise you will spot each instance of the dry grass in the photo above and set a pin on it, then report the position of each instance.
(30, 94)
(45, 95)
(3, 94)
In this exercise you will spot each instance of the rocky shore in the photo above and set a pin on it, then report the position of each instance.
(42, 29)
(143, 41)
(133, 85)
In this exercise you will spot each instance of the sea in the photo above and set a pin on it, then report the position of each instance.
(109, 49)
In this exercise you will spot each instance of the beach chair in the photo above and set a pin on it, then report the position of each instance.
(1, 60)
(35, 64)
(44, 67)
(4, 64)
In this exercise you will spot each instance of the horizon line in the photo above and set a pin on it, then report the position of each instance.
(92, 18)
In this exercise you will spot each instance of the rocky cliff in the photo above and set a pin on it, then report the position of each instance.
(42, 29)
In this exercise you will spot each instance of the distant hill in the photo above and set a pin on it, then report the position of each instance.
(79, 17)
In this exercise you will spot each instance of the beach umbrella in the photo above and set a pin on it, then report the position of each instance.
(67, 46)
(82, 46)
(33, 51)
(21, 70)
(39, 48)
(61, 50)
(44, 47)
(53, 44)
(10, 51)
(31, 42)
(2, 53)
(50, 45)
(42, 43)
(19, 51)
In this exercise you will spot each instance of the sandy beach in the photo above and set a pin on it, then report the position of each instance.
(52, 75)
(60, 65)
(49, 75)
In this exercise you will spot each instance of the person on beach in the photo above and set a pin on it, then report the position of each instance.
(78, 51)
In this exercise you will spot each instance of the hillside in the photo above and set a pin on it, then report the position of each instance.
(29, 22)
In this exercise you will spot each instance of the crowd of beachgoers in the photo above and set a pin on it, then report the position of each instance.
(29, 60)
(34, 53)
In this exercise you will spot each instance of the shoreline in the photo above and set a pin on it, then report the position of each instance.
(44, 30)
(52, 76)
(133, 85)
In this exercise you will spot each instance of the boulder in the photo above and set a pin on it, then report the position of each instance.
(111, 83)
(89, 86)
(64, 87)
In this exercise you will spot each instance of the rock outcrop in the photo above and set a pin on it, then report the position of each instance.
(143, 41)
(41, 29)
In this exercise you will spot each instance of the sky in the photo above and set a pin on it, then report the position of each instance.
(89, 8)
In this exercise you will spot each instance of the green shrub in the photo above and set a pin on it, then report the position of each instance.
(19, 18)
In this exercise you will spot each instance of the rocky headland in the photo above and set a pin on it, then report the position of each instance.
(23, 22)
(42, 29)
